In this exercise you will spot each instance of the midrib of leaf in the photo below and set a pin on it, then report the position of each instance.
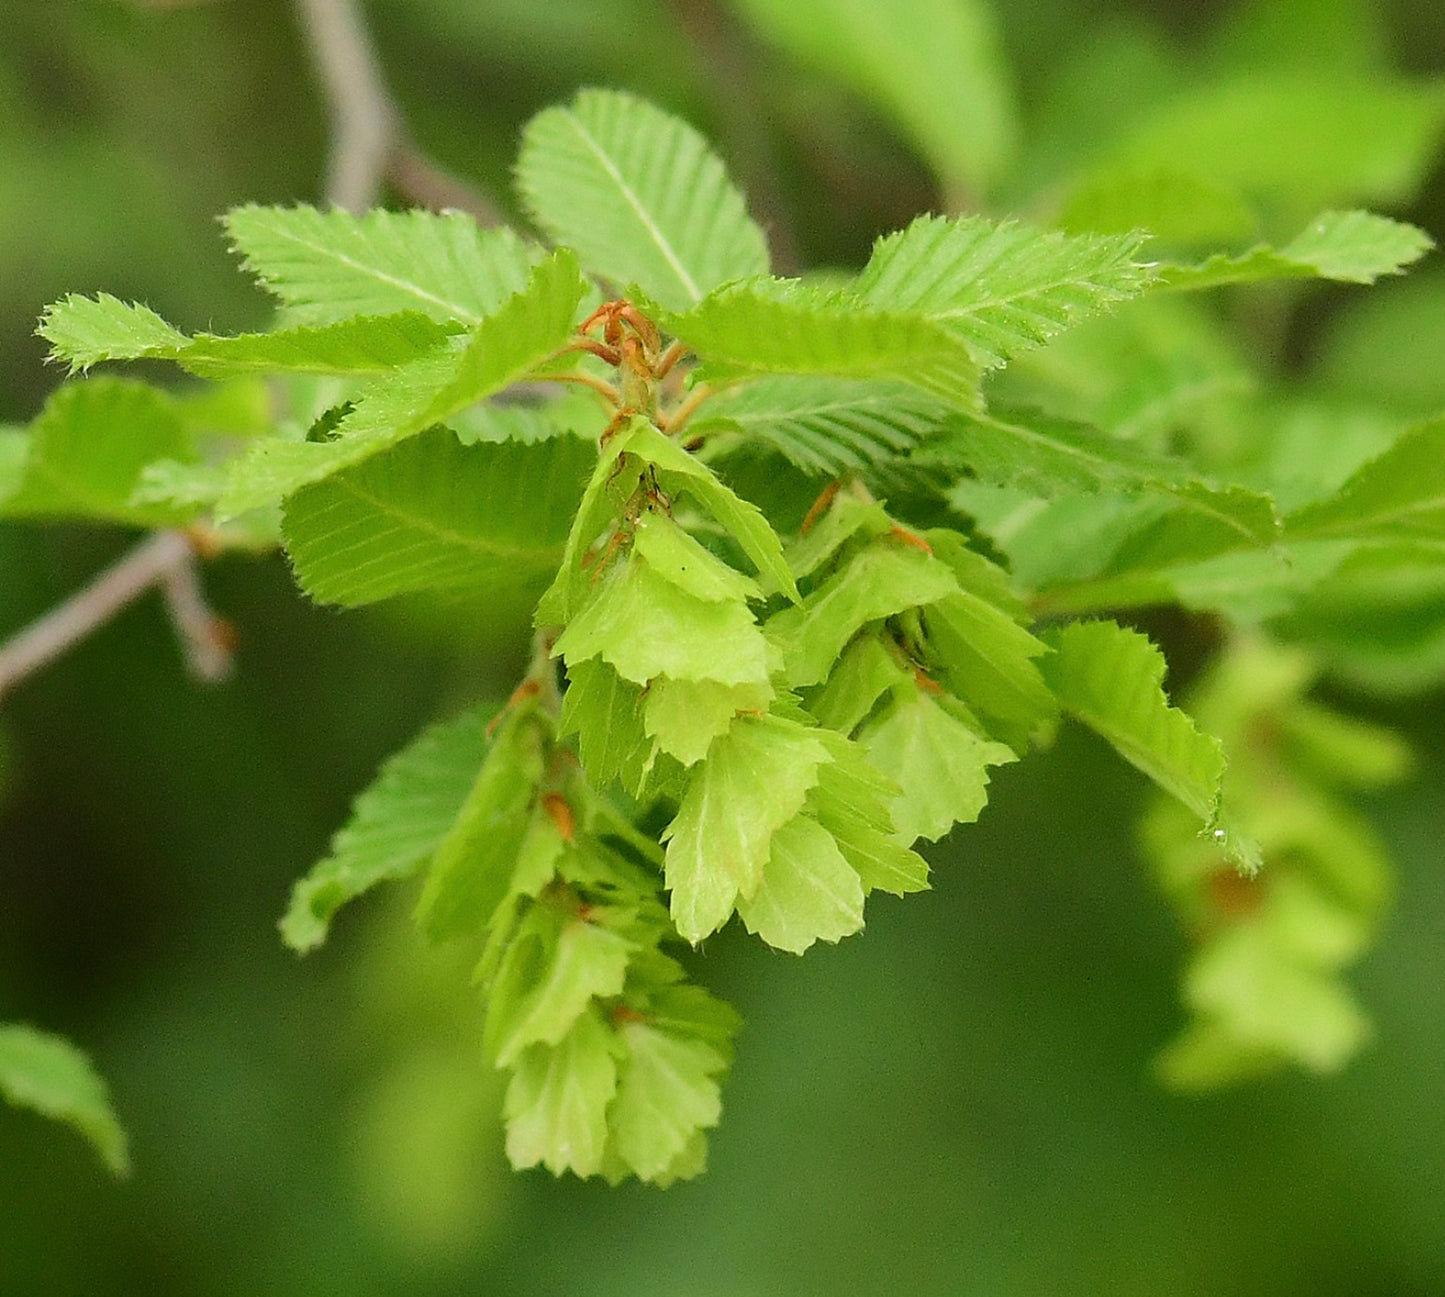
(374, 272)
(642, 213)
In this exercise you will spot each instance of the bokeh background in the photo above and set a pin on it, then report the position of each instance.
(956, 1102)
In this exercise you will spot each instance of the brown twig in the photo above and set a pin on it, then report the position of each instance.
(166, 560)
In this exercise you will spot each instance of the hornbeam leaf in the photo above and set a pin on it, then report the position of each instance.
(935, 67)
(14, 447)
(877, 582)
(503, 348)
(331, 266)
(581, 962)
(743, 520)
(1398, 495)
(939, 762)
(605, 712)
(1002, 288)
(988, 661)
(755, 780)
(86, 450)
(784, 327)
(1111, 678)
(394, 826)
(864, 672)
(48, 1074)
(556, 1103)
(826, 426)
(472, 869)
(667, 1093)
(641, 197)
(677, 557)
(683, 717)
(85, 330)
(853, 801)
(809, 891)
(645, 626)
(1354, 247)
(432, 514)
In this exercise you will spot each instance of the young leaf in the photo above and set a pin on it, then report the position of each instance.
(828, 427)
(605, 712)
(939, 762)
(50, 1075)
(683, 717)
(330, 266)
(936, 67)
(87, 448)
(667, 1092)
(1111, 678)
(395, 825)
(1398, 495)
(583, 962)
(679, 471)
(809, 891)
(754, 781)
(85, 330)
(641, 197)
(877, 582)
(1002, 288)
(1353, 247)
(645, 626)
(677, 557)
(472, 870)
(503, 348)
(432, 514)
(782, 327)
(556, 1103)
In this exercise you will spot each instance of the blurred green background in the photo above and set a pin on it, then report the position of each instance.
(956, 1102)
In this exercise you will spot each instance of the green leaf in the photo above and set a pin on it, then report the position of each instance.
(330, 266)
(863, 673)
(988, 661)
(784, 327)
(1260, 132)
(935, 67)
(86, 450)
(605, 712)
(754, 781)
(1001, 287)
(432, 514)
(677, 557)
(667, 1092)
(1354, 247)
(582, 962)
(1398, 495)
(683, 717)
(472, 870)
(683, 472)
(641, 197)
(809, 891)
(645, 626)
(853, 801)
(394, 826)
(557, 1101)
(826, 426)
(85, 330)
(1111, 678)
(50, 1075)
(875, 583)
(939, 762)
(502, 349)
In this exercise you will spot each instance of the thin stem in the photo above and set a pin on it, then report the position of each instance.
(364, 123)
(672, 423)
(609, 393)
(166, 559)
